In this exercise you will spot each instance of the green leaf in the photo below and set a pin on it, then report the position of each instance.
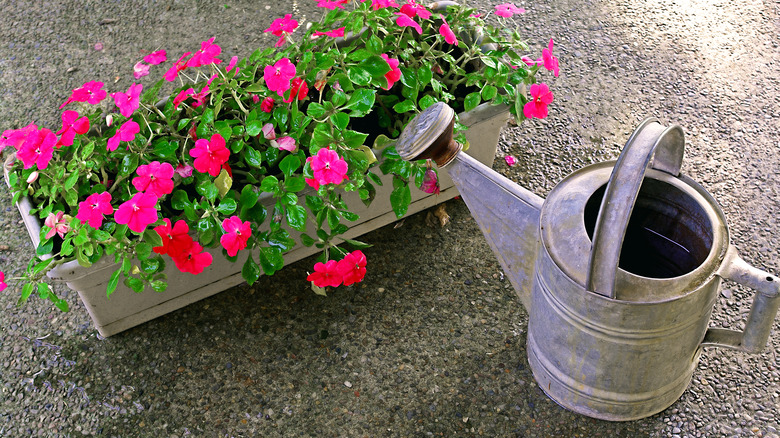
(296, 217)
(359, 76)
(254, 127)
(152, 238)
(71, 181)
(315, 203)
(82, 259)
(159, 285)
(340, 120)
(472, 101)
(129, 164)
(294, 183)
(333, 218)
(224, 129)
(43, 290)
(316, 110)
(253, 158)
(405, 106)
(357, 244)
(271, 259)
(269, 184)
(400, 198)
(143, 250)
(280, 115)
(40, 267)
(45, 247)
(150, 266)
(227, 206)
(205, 228)
(489, 92)
(113, 282)
(424, 75)
(71, 197)
(248, 197)
(223, 182)
(361, 102)
(137, 285)
(321, 136)
(376, 66)
(250, 271)
(165, 149)
(289, 164)
(426, 101)
(306, 240)
(207, 189)
(27, 290)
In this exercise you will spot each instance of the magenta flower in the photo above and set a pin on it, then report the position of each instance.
(200, 96)
(192, 259)
(531, 62)
(210, 155)
(2, 281)
(138, 213)
(380, 4)
(267, 105)
(447, 33)
(94, 208)
(298, 89)
(130, 101)
(335, 33)
(282, 27)
(506, 10)
(71, 125)
(540, 98)
(285, 143)
(278, 76)
(352, 267)
(177, 67)
(394, 75)
(140, 70)
(16, 137)
(550, 61)
(126, 132)
(182, 96)
(57, 223)
(412, 10)
(232, 64)
(206, 55)
(328, 167)
(175, 240)
(184, 170)
(325, 274)
(510, 160)
(155, 178)
(157, 57)
(91, 92)
(403, 20)
(37, 149)
(236, 235)
(430, 182)
(328, 4)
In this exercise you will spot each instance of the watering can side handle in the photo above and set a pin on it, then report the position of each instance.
(762, 312)
(649, 141)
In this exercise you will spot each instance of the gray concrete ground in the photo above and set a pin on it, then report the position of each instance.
(432, 343)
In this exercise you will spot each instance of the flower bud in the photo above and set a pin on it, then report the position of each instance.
(109, 120)
(430, 182)
(268, 132)
(33, 176)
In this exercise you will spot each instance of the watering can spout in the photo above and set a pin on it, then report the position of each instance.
(507, 214)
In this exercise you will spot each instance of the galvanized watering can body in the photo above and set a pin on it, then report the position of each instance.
(619, 268)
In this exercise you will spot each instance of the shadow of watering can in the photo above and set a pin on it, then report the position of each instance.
(619, 268)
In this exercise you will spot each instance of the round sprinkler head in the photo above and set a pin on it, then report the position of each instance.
(429, 135)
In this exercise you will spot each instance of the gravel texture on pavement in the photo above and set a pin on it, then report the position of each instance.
(432, 342)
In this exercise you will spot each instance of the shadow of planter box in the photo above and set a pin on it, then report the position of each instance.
(126, 309)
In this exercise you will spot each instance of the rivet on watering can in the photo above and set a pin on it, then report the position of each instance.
(619, 268)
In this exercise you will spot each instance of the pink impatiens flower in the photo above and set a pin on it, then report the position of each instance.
(268, 131)
(175, 240)
(192, 259)
(352, 267)
(206, 55)
(327, 167)
(325, 274)
(128, 102)
(404, 20)
(37, 149)
(278, 76)
(126, 132)
(200, 96)
(157, 57)
(94, 208)
(550, 61)
(155, 178)
(298, 88)
(285, 143)
(177, 67)
(381, 4)
(182, 96)
(2, 281)
(140, 70)
(138, 212)
(394, 74)
(510, 160)
(412, 9)
(231, 64)
(91, 92)
(71, 125)
(58, 224)
(267, 105)
(282, 27)
(447, 33)
(540, 98)
(430, 182)
(506, 10)
(16, 137)
(331, 4)
(210, 155)
(183, 170)
(335, 33)
(236, 235)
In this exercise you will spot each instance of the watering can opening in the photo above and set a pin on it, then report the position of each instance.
(669, 234)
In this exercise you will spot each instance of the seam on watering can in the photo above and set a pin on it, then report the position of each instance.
(602, 331)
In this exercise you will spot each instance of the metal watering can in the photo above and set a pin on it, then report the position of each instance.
(619, 268)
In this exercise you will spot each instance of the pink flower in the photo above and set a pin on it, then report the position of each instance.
(268, 131)
(92, 209)
(278, 76)
(430, 182)
(447, 33)
(510, 160)
(140, 70)
(531, 62)
(182, 96)
(380, 4)
(175, 240)
(200, 97)
(394, 74)
(282, 27)
(541, 97)
(506, 10)
(71, 125)
(232, 64)
(58, 225)
(299, 88)
(37, 149)
(328, 4)
(155, 178)
(236, 235)
(128, 102)
(91, 92)
(184, 170)
(412, 9)
(325, 274)
(16, 137)
(286, 144)
(267, 105)
(327, 167)
(2, 281)
(138, 212)
(255, 98)
(157, 57)
(335, 33)
(177, 67)
(312, 182)
(126, 132)
(403, 20)
(192, 259)
(550, 61)
(352, 267)
(210, 155)
(206, 55)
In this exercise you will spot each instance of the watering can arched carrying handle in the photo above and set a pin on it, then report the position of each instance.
(650, 141)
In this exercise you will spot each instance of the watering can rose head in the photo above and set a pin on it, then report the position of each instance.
(145, 179)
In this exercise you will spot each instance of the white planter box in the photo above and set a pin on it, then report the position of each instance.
(126, 309)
